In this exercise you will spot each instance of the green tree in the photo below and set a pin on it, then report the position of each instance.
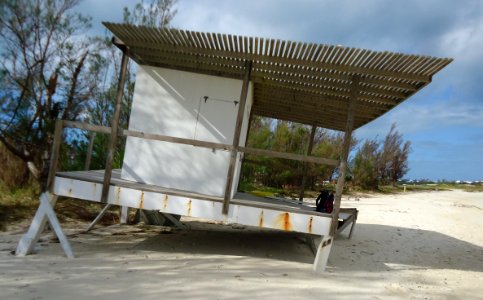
(381, 162)
(105, 77)
(394, 157)
(42, 75)
(364, 167)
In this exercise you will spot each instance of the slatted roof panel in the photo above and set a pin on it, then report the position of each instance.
(295, 81)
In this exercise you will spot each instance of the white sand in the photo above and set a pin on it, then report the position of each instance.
(409, 246)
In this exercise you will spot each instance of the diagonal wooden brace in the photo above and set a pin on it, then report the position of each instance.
(44, 213)
(322, 256)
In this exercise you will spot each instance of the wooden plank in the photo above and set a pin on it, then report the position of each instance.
(362, 70)
(304, 171)
(54, 154)
(326, 91)
(149, 53)
(177, 140)
(227, 73)
(291, 156)
(282, 95)
(307, 121)
(114, 129)
(304, 113)
(236, 137)
(353, 223)
(124, 215)
(325, 83)
(344, 156)
(290, 71)
(31, 237)
(322, 257)
(87, 126)
(268, 102)
(99, 217)
(46, 207)
(345, 223)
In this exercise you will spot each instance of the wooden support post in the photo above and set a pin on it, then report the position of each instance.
(345, 154)
(99, 217)
(353, 224)
(44, 213)
(173, 220)
(54, 155)
(305, 165)
(236, 137)
(114, 129)
(92, 137)
(322, 256)
(243, 157)
(124, 214)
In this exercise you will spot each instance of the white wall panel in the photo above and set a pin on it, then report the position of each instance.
(171, 102)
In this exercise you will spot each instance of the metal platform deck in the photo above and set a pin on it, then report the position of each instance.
(245, 209)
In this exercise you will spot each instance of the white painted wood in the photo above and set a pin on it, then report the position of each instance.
(124, 214)
(99, 217)
(44, 213)
(31, 237)
(55, 225)
(323, 251)
(208, 209)
(171, 102)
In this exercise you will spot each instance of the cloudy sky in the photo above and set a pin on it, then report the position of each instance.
(444, 121)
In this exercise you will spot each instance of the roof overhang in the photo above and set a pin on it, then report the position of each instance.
(295, 81)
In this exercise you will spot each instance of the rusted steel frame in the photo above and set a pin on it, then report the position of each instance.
(54, 154)
(114, 129)
(236, 137)
(345, 154)
(305, 166)
(87, 164)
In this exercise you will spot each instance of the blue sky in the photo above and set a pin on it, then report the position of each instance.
(444, 121)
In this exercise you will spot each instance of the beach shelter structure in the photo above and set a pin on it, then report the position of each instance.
(194, 96)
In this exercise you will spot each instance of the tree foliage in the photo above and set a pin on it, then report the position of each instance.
(289, 137)
(43, 75)
(381, 162)
(49, 69)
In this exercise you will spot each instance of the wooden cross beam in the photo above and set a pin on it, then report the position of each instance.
(44, 213)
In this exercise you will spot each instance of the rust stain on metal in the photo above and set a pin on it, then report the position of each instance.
(94, 189)
(165, 201)
(326, 243)
(189, 208)
(310, 224)
(260, 223)
(283, 222)
(141, 200)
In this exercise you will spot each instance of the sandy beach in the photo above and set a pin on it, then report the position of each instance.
(425, 245)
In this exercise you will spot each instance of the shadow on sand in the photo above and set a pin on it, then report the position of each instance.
(372, 248)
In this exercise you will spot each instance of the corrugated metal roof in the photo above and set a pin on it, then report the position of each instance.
(296, 81)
